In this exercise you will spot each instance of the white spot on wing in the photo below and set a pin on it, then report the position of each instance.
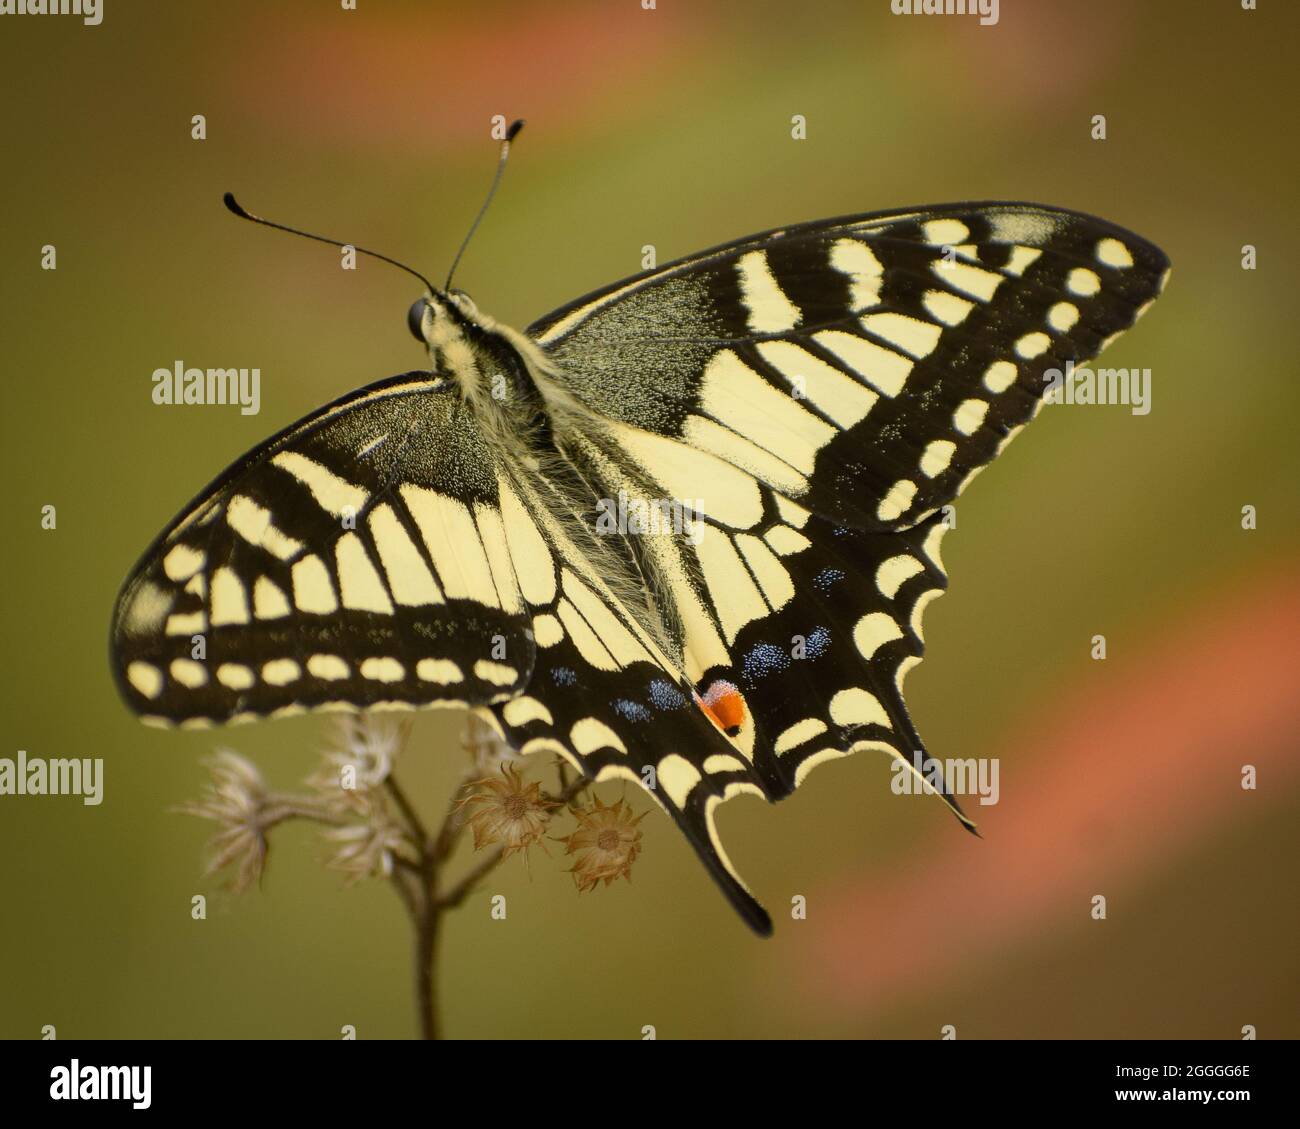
(915, 337)
(408, 575)
(677, 776)
(856, 706)
(770, 311)
(229, 598)
(1062, 316)
(892, 573)
(497, 673)
(147, 609)
(382, 669)
(894, 504)
(969, 415)
(945, 231)
(854, 258)
(1033, 345)
(253, 523)
(834, 393)
(359, 583)
(312, 590)
(182, 562)
(981, 284)
(873, 631)
(268, 601)
(333, 494)
(1113, 253)
(947, 308)
(280, 672)
(786, 541)
(235, 676)
(328, 668)
(882, 368)
(547, 630)
(442, 671)
(522, 710)
(938, 454)
(1000, 376)
(591, 734)
(735, 395)
(1022, 258)
(147, 679)
(189, 673)
(1083, 282)
(799, 733)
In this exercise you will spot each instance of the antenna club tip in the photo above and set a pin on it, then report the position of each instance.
(228, 198)
(514, 129)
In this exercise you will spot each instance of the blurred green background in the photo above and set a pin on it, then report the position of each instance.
(672, 127)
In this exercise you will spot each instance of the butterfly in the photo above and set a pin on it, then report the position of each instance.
(681, 531)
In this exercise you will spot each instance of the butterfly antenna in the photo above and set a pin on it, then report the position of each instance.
(239, 210)
(511, 134)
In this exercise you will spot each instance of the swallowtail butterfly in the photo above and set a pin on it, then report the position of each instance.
(813, 396)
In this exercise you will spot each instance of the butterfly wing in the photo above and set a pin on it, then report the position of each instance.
(867, 366)
(606, 693)
(813, 396)
(614, 702)
(356, 560)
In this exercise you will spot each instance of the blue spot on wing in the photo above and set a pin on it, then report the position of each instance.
(633, 711)
(563, 676)
(825, 580)
(666, 696)
(764, 659)
(817, 643)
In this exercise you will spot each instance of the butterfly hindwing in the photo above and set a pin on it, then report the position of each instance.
(605, 694)
(355, 560)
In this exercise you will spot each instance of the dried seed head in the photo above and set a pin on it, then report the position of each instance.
(367, 849)
(506, 810)
(359, 758)
(236, 799)
(606, 842)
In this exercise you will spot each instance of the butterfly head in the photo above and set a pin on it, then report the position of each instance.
(460, 340)
(436, 316)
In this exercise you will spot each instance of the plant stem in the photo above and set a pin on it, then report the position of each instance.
(426, 960)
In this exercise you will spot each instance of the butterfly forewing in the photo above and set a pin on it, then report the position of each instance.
(864, 366)
(350, 561)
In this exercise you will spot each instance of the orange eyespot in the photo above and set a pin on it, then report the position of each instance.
(725, 705)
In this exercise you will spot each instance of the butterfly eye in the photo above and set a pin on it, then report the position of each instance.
(415, 318)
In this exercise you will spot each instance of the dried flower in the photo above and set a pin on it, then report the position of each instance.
(367, 848)
(486, 748)
(607, 842)
(358, 760)
(508, 811)
(237, 800)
